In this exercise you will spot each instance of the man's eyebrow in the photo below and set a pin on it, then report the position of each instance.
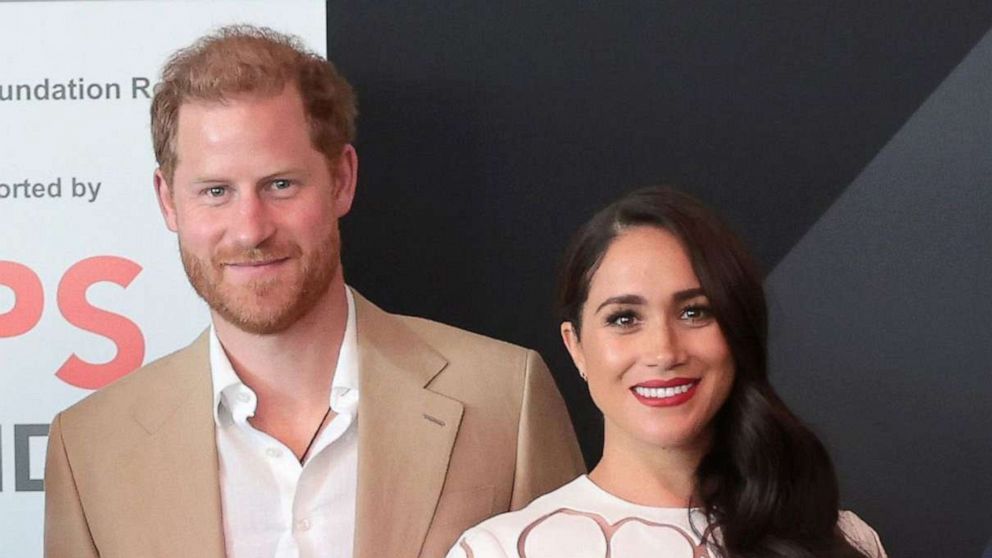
(621, 299)
(208, 180)
(282, 173)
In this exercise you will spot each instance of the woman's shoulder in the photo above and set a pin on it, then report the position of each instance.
(561, 518)
(571, 495)
(494, 537)
(574, 520)
(860, 534)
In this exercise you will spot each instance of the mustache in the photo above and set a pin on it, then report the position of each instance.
(257, 254)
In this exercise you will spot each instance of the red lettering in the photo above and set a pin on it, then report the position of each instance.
(80, 313)
(29, 299)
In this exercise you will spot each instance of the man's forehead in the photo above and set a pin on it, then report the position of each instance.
(253, 94)
(287, 104)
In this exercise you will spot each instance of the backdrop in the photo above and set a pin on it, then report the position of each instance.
(850, 143)
(90, 280)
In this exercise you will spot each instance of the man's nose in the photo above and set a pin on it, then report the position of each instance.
(663, 347)
(253, 223)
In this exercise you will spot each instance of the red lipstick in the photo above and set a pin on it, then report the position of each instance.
(653, 392)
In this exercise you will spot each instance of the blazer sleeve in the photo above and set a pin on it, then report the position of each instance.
(67, 534)
(548, 454)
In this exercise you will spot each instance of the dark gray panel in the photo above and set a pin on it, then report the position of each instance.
(882, 326)
(490, 131)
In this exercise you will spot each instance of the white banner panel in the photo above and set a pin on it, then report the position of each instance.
(90, 280)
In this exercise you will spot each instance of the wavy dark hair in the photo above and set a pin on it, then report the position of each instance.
(767, 482)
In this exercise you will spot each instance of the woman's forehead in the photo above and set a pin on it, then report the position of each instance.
(643, 258)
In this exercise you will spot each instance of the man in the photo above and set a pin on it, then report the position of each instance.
(306, 421)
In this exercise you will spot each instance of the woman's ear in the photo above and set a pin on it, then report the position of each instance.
(570, 337)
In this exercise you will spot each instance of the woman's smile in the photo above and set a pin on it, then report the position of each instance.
(665, 393)
(656, 360)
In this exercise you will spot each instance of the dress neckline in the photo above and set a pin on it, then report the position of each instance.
(606, 496)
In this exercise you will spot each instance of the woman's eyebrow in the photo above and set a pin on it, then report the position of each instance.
(681, 296)
(621, 299)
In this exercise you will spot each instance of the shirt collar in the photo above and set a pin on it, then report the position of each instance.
(238, 401)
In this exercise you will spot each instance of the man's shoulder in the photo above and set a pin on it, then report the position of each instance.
(459, 344)
(153, 380)
(454, 344)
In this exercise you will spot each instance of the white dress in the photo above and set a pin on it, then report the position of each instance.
(581, 520)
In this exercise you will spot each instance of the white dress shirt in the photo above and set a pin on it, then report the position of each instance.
(272, 504)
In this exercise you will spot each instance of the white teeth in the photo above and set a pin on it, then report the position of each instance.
(661, 393)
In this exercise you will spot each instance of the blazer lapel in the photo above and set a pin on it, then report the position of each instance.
(405, 436)
(176, 465)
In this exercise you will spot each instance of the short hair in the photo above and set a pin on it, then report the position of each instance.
(241, 59)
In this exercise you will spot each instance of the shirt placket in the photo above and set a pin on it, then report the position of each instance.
(281, 464)
(311, 509)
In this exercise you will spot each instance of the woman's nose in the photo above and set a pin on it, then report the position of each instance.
(664, 348)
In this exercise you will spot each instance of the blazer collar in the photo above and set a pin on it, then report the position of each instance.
(405, 436)
(176, 465)
(186, 375)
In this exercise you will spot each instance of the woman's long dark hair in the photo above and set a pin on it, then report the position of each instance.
(767, 482)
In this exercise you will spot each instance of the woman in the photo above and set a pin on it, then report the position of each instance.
(664, 316)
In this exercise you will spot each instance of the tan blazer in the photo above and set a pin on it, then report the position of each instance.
(453, 427)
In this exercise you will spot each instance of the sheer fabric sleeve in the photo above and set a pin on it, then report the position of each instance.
(860, 534)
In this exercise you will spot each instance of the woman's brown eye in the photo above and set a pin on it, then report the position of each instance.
(696, 314)
(622, 319)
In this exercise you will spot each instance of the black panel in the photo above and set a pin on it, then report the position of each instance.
(489, 132)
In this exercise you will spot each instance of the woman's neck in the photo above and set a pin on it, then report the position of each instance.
(647, 474)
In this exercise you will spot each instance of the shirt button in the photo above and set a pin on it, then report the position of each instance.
(303, 524)
(273, 452)
(244, 397)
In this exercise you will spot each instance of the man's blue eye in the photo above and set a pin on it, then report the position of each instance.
(216, 191)
(281, 184)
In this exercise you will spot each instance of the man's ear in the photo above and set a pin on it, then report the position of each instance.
(344, 177)
(163, 192)
(570, 337)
